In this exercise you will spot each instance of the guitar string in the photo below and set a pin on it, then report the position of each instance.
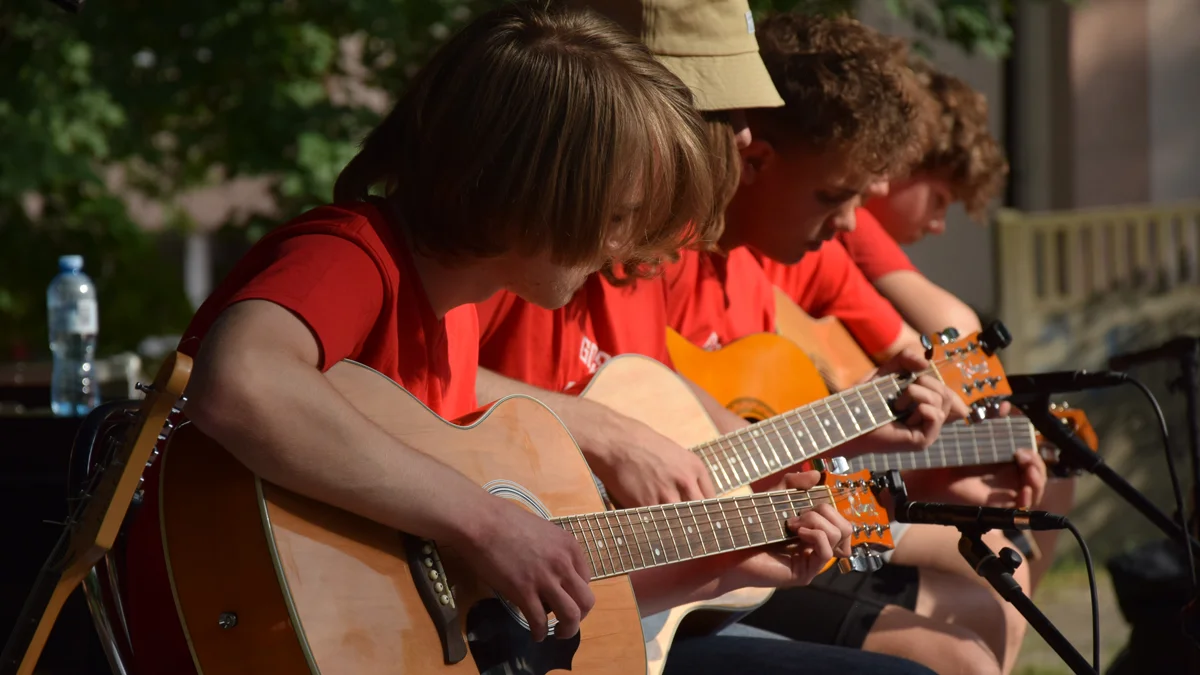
(725, 443)
(658, 550)
(781, 422)
(802, 414)
(733, 530)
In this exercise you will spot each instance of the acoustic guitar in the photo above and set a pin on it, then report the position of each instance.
(835, 353)
(744, 376)
(993, 441)
(650, 392)
(269, 581)
(93, 525)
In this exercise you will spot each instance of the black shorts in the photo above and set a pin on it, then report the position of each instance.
(848, 605)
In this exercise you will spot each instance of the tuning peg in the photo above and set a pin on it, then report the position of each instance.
(144, 388)
(994, 337)
(978, 413)
(949, 335)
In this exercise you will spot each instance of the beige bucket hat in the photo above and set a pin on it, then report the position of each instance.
(709, 44)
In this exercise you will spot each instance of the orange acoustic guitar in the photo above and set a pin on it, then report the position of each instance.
(266, 580)
(93, 526)
(835, 353)
(650, 392)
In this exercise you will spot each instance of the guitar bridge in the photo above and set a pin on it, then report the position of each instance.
(434, 588)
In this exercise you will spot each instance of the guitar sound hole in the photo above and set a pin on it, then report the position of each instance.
(750, 409)
(501, 646)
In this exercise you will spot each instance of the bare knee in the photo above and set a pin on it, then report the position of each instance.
(945, 648)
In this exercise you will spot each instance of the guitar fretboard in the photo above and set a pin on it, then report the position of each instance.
(623, 541)
(761, 449)
(992, 441)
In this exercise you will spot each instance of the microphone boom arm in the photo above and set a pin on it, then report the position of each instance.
(1074, 453)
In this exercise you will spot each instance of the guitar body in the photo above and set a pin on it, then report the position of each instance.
(266, 580)
(757, 376)
(835, 352)
(650, 392)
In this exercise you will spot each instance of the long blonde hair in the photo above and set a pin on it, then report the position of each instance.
(527, 130)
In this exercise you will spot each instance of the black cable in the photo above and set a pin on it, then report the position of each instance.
(1087, 559)
(1181, 514)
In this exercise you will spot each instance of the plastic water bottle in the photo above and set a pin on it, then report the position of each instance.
(74, 322)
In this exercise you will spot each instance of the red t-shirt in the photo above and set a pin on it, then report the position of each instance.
(828, 283)
(560, 350)
(715, 299)
(342, 271)
(873, 249)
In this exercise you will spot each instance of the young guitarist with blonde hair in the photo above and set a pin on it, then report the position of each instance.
(539, 144)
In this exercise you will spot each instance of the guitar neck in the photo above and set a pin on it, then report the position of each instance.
(993, 441)
(627, 540)
(741, 457)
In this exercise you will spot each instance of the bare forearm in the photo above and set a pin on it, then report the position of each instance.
(724, 419)
(661, 588)
(926, 306)
(292, 428)
(594, 426)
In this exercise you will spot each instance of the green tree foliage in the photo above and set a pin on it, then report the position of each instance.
(186, 94)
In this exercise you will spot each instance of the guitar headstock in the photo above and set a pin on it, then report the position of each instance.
(854, 496)
(969, 365)
(108, 496)
(1077, 421)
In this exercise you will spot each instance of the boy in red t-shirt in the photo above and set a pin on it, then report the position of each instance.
(850, 116)
(962, 163)
(859, 143)
(476, 198)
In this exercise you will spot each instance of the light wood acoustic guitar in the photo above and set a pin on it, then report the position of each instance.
(648, 391)
(268, 581)
(94, 522)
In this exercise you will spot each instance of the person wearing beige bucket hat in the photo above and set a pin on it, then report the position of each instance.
(709, 45)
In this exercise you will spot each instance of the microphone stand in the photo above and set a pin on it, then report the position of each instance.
(1074, 454)
(1187, 382)
(998, 569)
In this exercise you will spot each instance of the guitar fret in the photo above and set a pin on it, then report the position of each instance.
(836, 422)
(651, 542)
(670, 532)
(636, 541)
(622, 543)
(610, 543)
(774, 453)
(824, 430)
(766, 470)
(587, 546)
(817, 449)
(686, 532)
(783, 440)
(699, 532)
(605, 548)
(752, 470)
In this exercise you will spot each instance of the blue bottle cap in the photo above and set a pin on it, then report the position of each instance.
(70, 262)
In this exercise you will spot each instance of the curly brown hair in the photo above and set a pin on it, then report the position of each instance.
(960, 149)
(844, 89)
